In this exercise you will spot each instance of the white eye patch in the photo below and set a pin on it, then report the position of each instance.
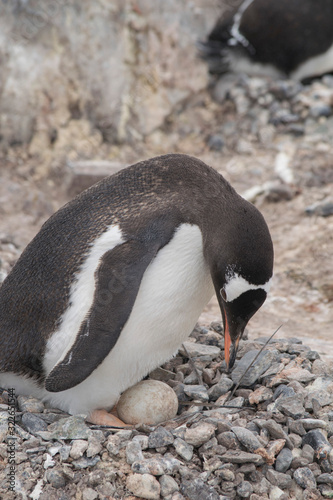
(238, 285)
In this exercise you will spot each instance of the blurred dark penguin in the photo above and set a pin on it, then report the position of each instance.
(115, 281)
(280, 38)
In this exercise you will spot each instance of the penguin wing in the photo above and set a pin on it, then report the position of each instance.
(118, 279)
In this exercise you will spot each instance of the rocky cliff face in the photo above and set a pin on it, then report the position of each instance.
(122, 65)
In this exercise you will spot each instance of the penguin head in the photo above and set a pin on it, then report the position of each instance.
(241, 270)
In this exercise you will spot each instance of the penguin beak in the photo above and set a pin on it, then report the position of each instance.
(232, 334)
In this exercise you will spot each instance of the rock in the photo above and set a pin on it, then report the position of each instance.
(241, 457)
(142, 440)
(283, 460)
(244, 489)
(313, 423)
(198, 490)
(89, 494)
(144, 486)
(263, 362)
(277, 494)
(157, 465)
(279, 479)
(275, 430)
(322, 208)
(148, 402)
(78, 448)
(228, 439)
(291, 406)
(316, 439)
(69, 428)
(194, 350)
(246, 438)
(55, 478)
(183, 449)
(304, 477)
(133, 452)
(30, 404)
(84, 463)
(94, 445)
(197, 436)
(325, 478)
(222, 387)
(196, 392)
(259, 395)
(283, 391)
(168, 485)
(33, 423)
(160, 437)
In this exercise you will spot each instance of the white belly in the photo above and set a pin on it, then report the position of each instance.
(175, 288)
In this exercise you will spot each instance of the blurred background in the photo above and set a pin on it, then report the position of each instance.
(87, 88)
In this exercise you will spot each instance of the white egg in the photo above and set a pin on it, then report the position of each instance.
(148, 402)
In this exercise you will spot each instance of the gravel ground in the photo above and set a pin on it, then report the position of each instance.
(262, 433)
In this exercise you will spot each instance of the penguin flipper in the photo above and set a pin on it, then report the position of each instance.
(118, 280)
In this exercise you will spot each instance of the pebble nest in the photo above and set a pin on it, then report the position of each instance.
(271, 438)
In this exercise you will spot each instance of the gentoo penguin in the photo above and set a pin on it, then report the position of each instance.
(292, 38)
(115, 281)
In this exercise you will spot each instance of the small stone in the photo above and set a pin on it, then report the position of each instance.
(197, 436)
(244, 489)
(227, 475)
(291, 406)
(312, 355)
(316, 439)
(308, 453)
(262, 363)
(94, 446)
(89, 494)
(246, 438)
(78, 448)
(157, 466)
(278, 479)
(55, 478)
(313, 423)
(33, 423)
(283, 460)
(30, 404)
(162, 375)
(304, 477)
(160, 437)
(72, 427)
(84, 463)
(277, 494)
(241, 457)
(228, 440)
(133, 452)
(283, 391)
(325, 478)
(215, 142)
(198, 490)
(113, 444)
(259, 395)
(194, 349)
(183, 449)
(144, 486)
(221, 388)
(275, 430)
(168, 485)
(296, 426)
(196, 392)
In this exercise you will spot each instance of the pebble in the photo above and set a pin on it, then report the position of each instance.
(30, 404)
(55, 478)
(73, 427)
(262, 363)
(244, 489)
(283, 460)
(144, 486)
(196, 392)
(198, 490)
(133, 452)
(304, 477)
(197, 436)
(33, 423)
(160, 437)
(168, 485)
(246, 438)
(194, 350)
(222, 387)
(78, 448)
(184, 449)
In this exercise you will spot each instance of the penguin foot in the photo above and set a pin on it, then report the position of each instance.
(102, 417)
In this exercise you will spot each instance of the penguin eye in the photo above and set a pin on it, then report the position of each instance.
(223, 294)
